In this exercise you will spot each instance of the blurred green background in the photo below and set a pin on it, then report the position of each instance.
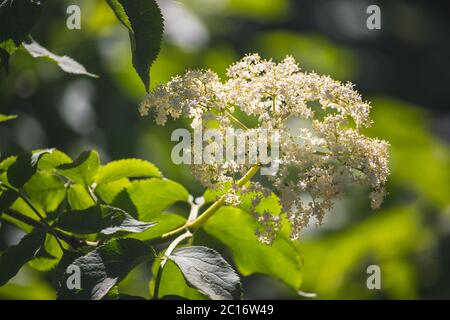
(404, 69)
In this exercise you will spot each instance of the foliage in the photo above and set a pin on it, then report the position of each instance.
(144, 22)
(17, 18)
(130, 199)
(113, 232)
(205, 270)
(142, 18)
(4, 117)
(13, 259)
(67, 64)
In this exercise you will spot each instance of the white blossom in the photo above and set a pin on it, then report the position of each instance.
(317, 160)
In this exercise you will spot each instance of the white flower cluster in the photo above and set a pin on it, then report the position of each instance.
(322, 149)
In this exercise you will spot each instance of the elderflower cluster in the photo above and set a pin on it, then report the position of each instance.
(319, 119)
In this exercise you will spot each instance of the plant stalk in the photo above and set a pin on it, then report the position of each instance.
(36, 212)
(74, 242)
(195, 224)
(167, 253)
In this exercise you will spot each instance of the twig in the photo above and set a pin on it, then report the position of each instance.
(74, 242)
(36, 212)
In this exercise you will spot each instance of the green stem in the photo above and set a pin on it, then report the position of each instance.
(195, 224)
(167, 253)
(232, 117)
(91, 193)
(274, 101)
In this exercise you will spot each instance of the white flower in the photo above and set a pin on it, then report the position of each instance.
(317, 160)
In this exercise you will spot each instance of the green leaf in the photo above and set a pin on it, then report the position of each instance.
(104, 268)
(49, 161)
(4, 165)
(17, 18)
(16, 256)
(102, 219)
(114, 294)
(269, 203)
(20, 206)
(24, 168)
(7, 48)
(150, 197)
(164, 223)
(46, 189)
(32, 290)
(107, 192)
(127, 168)
(83, 169)
(48, 256)
(172, 283)
(79, 198)
(236, 229)
(4, 117)
(66, 63)
(145, 25)
(206, 270)
(7, 198)
(68, 257)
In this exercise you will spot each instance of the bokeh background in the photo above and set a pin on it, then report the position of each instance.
(404, 69)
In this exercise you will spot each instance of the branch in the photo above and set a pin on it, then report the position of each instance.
(36, 212)
(74, 242)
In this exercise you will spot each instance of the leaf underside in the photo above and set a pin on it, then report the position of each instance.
(66, 63)
(145, 25)
(206, 270)
(103, 268)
